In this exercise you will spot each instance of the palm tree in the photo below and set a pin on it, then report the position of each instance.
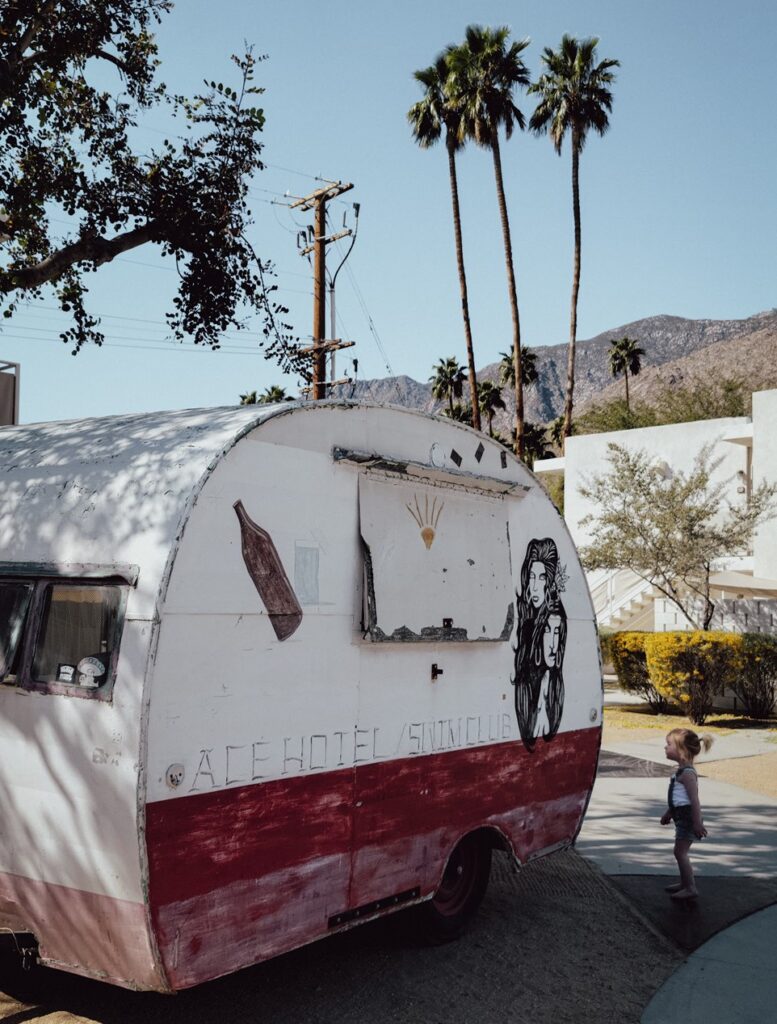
(447, 382)
(272, 395)
(427, 119)
(461, 412)
(490, 398)
(484, 72)
(556, 432)
(574, 97)
(529, 373)
(536, 443)
(625, 358)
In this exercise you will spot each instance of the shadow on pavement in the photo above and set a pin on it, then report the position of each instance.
(722, 901)
(626, 767)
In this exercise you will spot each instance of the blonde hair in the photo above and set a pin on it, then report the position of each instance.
(690, 743)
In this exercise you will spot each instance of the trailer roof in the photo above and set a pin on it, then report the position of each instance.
(110, 490)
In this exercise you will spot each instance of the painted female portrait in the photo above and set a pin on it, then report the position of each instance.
(540, 644)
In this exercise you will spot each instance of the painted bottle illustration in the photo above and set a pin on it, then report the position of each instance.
(269, 577)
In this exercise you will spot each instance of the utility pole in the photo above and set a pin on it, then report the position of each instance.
(317, 201)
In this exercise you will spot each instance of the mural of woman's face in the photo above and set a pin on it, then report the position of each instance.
(550, 640)
(538, 583)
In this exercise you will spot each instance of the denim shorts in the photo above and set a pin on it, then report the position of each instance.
(683, 823)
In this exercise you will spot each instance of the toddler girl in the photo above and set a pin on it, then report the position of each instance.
(682, 746)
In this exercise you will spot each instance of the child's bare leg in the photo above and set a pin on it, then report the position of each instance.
(682, 848)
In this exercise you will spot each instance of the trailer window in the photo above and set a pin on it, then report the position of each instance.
(78, 632)
(14, 602)
(437, 562)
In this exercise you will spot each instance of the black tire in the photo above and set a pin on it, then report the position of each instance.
(447, 914)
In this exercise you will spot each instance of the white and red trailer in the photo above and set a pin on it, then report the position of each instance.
(269, 672)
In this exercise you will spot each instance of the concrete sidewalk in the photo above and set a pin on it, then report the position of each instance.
(731, 973)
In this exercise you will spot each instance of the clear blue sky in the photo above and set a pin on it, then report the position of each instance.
(679, 207)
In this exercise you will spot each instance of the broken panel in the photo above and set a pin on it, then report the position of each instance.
(437, 562)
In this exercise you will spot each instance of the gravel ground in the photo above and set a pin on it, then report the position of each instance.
(556, 943)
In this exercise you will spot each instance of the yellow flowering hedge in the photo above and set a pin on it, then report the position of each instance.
(627, 653)
(690, 669)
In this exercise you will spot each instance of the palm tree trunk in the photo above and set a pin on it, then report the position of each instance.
(473, 382)
(500, 194)
(626, 378)
(490, 423)
(575, 287)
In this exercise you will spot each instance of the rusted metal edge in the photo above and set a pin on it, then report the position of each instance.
(409, 470)
(78, 570)
(437, 634)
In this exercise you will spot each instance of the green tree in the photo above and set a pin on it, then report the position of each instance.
(447, 381)
(601, 418)
(66, 157)
(556, 432)
(706, 399)
(270, 396)
(536, 443)
(428, 118)
(484, 72)
(670, 529)
(490, 398)
(461, 412)
(529, 372)
(626, 358)
(574, 98)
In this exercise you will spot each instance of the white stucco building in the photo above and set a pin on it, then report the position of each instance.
(745, 587)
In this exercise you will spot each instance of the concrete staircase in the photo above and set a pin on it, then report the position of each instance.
(622, 600)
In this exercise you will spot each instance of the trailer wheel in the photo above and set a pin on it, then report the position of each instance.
(460, 892)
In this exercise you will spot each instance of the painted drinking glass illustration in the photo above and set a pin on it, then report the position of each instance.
(540, 643)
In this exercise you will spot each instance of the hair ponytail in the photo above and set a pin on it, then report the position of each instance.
(706, 741)
(691, 743)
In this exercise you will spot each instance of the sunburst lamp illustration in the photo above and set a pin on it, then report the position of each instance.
(427, 518)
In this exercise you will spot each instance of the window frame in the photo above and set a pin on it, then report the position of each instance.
(18, 646)
(31, 635)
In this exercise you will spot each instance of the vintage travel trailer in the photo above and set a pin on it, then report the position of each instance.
(268, 672)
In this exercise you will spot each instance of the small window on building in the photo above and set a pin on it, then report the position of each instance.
(14, 602)
(77, 636)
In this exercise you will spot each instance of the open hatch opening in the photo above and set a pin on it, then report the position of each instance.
(437, 560)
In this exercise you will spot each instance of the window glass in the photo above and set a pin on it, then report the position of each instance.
(439, 562)
(77, 635)
(14, 601)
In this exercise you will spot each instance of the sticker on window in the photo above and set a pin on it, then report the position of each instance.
(89, 671)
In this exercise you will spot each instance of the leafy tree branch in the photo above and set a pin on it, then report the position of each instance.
(66, 156)
(672, 530)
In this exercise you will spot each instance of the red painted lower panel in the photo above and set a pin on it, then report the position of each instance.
(239, 875)
(82, 932)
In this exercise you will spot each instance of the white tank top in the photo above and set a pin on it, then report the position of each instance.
(680, 796)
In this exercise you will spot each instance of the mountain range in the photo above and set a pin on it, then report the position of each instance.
(677, 351)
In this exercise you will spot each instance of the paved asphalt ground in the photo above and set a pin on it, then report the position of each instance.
(730, 935)
(582, 937)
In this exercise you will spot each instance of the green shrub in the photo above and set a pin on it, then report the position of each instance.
(690, 669)
(755, 682)
(627, 653)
